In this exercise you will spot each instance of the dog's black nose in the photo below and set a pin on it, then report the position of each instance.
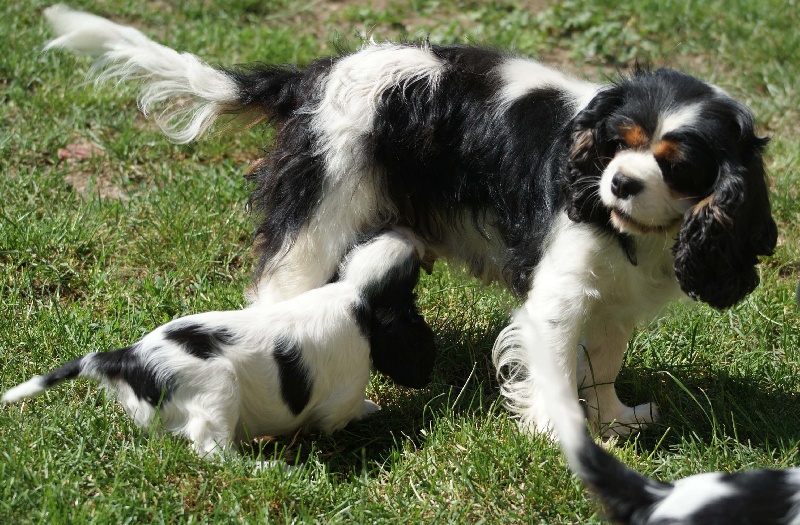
(624, 187)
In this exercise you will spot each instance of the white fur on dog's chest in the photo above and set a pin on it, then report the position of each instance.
(584, 271)
(637, 291)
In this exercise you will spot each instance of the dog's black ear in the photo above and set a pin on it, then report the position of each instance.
(717, 249)
(590, 152)
(402, 344)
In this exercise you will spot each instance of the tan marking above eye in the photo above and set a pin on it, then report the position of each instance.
(667, 150)
(633, 135)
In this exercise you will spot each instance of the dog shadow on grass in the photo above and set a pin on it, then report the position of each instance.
(463, 382)
(695, 401)
(711, 404)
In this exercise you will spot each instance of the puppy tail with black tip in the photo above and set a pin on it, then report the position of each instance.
(627, 495)
(185, 94)
(100, 367)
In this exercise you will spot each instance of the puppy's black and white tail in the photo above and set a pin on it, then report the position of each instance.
(628, 496)
(185, 94)
(102, 367)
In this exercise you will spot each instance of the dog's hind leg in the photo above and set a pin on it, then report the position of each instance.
(210, 427)
(208, 437)
(323, 190)
(311, 258)
(206, 412)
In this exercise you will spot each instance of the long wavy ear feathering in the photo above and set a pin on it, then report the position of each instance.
(718, 246)
(588, 157)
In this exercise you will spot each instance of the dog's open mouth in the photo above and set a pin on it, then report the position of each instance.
(623, 221)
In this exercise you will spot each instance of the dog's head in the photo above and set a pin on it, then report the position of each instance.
(402, 344)
(662, 153)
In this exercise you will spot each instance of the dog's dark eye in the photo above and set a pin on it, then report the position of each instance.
(691, 177)
(617, 145)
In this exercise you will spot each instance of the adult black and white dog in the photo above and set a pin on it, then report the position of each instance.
(760, 496)
(598, 204)
(218, 378)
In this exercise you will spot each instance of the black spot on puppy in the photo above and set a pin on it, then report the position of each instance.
(295, 381)
(200, 341)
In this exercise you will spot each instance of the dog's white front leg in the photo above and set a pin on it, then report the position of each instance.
(606, 341)
(556, 322)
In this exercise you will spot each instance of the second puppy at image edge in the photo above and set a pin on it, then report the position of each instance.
(751, 497)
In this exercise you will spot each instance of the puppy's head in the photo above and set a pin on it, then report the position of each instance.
(385, 270)
(662, 153)
(402, 344)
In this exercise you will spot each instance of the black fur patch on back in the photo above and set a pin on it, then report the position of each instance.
(200, 341)
(125, 364)
(294, 377)
(444, 155)
(537, 131)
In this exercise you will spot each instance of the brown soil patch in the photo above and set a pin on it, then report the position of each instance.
(85, 179)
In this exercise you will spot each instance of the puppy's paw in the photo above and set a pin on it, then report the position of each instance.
(275, 464)
(630, 420)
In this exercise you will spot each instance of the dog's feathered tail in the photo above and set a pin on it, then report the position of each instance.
(101, 367)
(185, 94)
(627, 496)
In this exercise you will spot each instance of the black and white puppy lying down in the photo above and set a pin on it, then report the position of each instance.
(597, 204)
(218, 378)
(752, 497)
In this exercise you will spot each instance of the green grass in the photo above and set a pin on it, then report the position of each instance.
(94, 254)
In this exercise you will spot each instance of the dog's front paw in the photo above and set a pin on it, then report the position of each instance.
(370, 407)
(630, 420)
